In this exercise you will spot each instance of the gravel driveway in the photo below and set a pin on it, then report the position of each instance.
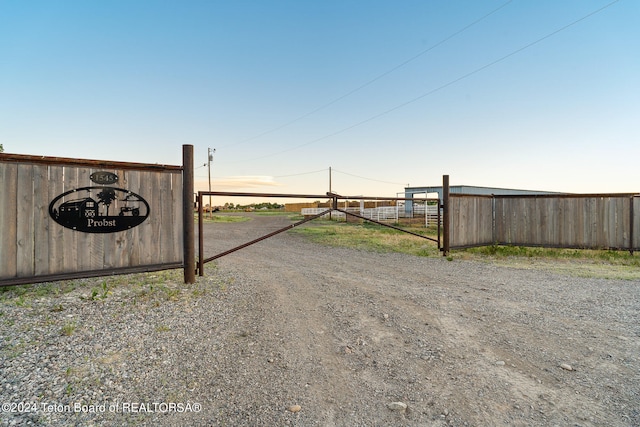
(287, 332)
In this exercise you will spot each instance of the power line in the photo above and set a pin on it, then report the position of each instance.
(368, 179)
(335, 170)
(303, 173)
(286, 176)
(439, 88)
(375, 79)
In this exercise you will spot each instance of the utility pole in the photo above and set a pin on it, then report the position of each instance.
(210, 159)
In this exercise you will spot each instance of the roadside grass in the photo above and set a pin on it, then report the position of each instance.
(577, 262)
(161, 285)
(68, 328)
(208, 218)
(371, 237)
(607, 256)
(606, 264)
(231, 217)
(522, 253)
(276, 213)
(155, 288)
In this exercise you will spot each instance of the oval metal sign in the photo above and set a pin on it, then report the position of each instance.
(104, 178)
(99, 209)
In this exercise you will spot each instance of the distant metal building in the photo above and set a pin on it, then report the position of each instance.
(409, 192)
(470, 189)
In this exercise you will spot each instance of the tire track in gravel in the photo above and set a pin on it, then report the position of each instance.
(331, 338)
(373, 350)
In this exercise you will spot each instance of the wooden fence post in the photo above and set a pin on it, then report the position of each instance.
(187, 215)
(446, 218)
(631, 230)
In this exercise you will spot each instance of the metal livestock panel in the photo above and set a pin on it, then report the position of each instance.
(59, 218)
(471, 220)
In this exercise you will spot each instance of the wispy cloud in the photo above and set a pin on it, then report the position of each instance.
(230, 183)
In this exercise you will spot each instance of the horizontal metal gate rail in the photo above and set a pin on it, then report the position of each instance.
(266, 236)
(335, 197)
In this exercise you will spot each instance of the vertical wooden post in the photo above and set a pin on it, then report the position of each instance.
(446, 217)
(493, 219)
(187, 215)
(439, 226)
(330, 191)
(201, 234)
(631, 230)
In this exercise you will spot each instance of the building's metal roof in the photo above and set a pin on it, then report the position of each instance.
(471, 189)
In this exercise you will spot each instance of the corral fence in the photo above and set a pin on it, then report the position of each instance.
(384, 213)
(581, 221)
(430, 213)
(63, 218)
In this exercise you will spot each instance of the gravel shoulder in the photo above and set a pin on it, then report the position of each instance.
(287, 332)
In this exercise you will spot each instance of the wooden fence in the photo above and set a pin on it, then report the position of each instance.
(590, 221)
(471, 219)
(41, 197)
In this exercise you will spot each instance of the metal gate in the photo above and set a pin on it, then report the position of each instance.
(335, 198)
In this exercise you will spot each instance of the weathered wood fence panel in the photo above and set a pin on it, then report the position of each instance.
(9, 220)
(471, 220)
(564, 221)
(35, 247)
(599, 221)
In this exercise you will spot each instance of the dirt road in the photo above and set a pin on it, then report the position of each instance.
(344, 334)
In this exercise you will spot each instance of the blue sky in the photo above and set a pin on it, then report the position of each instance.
(515, 94)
